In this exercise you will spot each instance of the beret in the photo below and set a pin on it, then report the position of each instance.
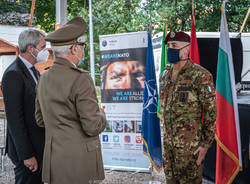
(70, 33)
(177, 36)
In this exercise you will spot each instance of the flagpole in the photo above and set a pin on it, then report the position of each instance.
(235, 97)
(92, 56)
(151, 166)
(192, 6)
(245, 20)
(32, 12)
(148, 119)
(228, 153)
(193, 11)
(166, 31)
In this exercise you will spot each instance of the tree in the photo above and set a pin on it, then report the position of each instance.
(121, 16)
(17, 15)
(177, 14)
(110, 17)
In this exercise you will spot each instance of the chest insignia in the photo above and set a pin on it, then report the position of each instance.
(184, 88)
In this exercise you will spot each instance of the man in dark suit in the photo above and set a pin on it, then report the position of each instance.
(25, 140)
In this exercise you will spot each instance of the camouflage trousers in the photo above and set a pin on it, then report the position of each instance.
(181, 168)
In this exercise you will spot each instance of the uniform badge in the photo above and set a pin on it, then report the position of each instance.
(172, 35)
(162, 78)
(183, 97)
(164, 73)
(208, 87)
(184, 88)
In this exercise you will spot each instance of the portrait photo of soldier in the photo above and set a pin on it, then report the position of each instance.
(123, 75)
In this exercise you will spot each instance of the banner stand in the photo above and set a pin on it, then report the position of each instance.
(109, 169)
(123, 59)
(131, 169)
(151, 181)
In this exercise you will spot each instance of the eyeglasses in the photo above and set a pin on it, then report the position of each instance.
(82, 44)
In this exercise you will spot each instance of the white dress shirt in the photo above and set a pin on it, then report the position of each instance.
(28, 66)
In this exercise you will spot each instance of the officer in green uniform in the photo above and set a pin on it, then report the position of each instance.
(67, 106)
(188, 104)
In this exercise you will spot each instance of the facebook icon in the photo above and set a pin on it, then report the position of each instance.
(105, 138)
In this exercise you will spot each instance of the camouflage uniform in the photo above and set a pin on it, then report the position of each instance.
(182, 104)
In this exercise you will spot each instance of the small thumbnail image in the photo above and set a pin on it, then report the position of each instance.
(118, 126)
(129, 126)
(105, 138)
(108, 127)
(116, 138)
(127, 139)
(138, 139)
(138, 126)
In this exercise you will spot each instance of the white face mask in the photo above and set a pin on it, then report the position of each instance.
(80, 60)
(42, 55)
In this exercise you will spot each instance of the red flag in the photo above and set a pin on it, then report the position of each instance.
(194, 51)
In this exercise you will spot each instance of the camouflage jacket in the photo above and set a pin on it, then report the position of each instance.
(183, 102)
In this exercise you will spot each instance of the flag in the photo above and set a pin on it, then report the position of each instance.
(163, 63)
(228, 156)
(151, 133)
(194, 51)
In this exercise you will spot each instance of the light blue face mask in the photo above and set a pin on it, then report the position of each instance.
(80, 62)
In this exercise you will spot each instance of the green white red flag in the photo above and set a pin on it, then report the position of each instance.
(228, 157)
(163, 63)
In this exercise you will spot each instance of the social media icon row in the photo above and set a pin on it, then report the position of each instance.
(126, 138)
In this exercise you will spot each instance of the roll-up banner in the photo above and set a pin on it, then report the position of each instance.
(123, 59)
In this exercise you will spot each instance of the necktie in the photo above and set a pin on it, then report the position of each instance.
(35, 72)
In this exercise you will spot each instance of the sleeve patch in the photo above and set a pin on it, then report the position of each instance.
(208, 87)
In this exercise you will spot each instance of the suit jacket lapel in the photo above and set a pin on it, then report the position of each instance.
(26, 71)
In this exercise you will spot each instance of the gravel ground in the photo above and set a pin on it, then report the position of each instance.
(111, 176)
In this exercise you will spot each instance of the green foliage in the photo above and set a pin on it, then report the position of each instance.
(6, 6)
(118, 16)
(121, 16)
(45, 13)
(110, 17)
(177, 14)
(13, 13)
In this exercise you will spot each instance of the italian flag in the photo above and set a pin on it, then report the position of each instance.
(163, 63)
(228, 156)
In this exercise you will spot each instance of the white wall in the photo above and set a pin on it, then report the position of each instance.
(5, 61)
(11, 33)
(246, 56)
(245, 38)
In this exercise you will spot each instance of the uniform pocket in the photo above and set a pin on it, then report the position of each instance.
(93, 145)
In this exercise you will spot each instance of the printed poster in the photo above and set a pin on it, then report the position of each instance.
(123, 59)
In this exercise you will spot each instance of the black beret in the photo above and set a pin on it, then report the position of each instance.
(68, 33)
(177, 36)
